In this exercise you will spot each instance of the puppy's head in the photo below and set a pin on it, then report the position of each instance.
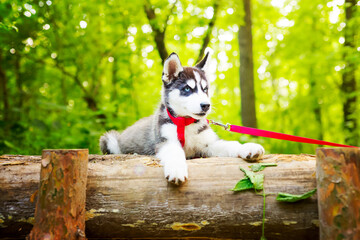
(186, 89)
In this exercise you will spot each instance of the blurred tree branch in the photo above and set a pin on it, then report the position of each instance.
(89, 98)
(159, 35)
(211, 25)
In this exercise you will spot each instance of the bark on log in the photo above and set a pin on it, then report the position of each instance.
(60, 206)
(128, 197)
(338, 181)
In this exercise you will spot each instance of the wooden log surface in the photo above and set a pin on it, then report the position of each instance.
(338, 183)
(60, 206)
(128, 197)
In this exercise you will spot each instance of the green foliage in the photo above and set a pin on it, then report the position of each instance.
(256, 179)
(71, 70)
(261, 166)
(256, 182)
(287, 197)
(243, 184)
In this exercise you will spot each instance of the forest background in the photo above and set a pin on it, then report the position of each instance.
(70, 70)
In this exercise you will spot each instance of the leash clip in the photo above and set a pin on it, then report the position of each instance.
(225, 126)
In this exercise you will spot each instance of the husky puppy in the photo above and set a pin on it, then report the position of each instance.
(178, 129)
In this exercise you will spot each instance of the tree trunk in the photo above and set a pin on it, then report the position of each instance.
(338, 184)
(128, 197)
(19, 85)
(348, 86)
(5, 96)
(248, 113)
(60, 206)
(315, 101)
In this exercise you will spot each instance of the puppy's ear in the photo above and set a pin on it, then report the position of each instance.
(172, 67)
(203, 63)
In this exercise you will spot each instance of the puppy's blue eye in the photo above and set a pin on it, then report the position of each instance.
(187, 89)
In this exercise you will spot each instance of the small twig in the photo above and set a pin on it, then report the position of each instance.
(168, 16)
(211, 25)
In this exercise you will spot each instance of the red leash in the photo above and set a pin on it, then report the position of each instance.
(270, 134)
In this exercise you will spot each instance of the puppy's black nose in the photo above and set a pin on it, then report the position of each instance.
(205, 106)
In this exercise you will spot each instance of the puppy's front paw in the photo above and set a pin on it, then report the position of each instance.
(176, 171)
(251, 151)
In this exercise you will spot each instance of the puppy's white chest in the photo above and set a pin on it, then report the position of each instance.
(193, 140)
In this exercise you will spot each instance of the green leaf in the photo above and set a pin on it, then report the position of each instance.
(15, 28)
(261, 166)
(243, 184)
(287, 197)
(10, 145)
(256, 179)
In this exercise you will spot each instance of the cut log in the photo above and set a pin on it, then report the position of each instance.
(338, 181)
(128, 197)
(60, 206)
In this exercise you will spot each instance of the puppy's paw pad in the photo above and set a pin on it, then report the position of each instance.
(176, 181)
(176, 173)
(251, 151)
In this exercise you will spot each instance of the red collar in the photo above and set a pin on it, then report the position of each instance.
(181, 123)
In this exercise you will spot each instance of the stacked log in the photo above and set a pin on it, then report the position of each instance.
(60, 206)
(128, 197)
(338, 181)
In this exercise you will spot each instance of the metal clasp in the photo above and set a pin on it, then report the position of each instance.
(225, 126)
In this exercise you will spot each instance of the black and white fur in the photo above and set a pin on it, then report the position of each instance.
(185, 94)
